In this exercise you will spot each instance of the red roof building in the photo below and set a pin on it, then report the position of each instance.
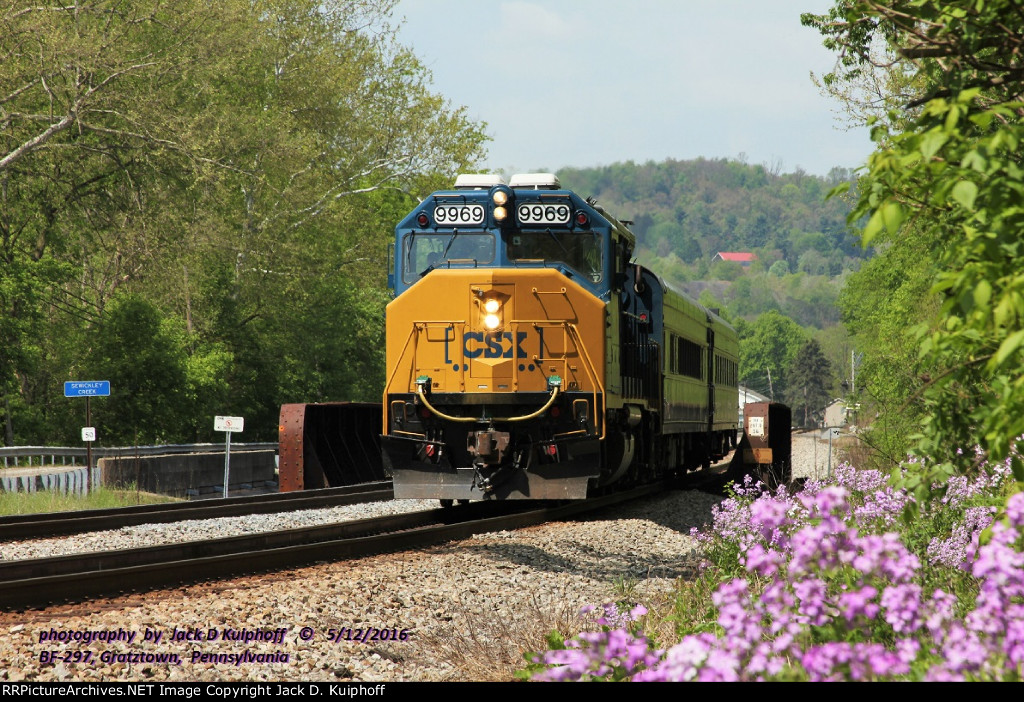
(739, 257)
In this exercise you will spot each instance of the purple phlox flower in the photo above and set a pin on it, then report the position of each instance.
(721, 666)
(962, 544)
(682, 662)
(962, 650)
(736, 614)
(858, 603)
(958, 489)
(884, 555)
(569, 664)
(836, 661)
(941, 610)
(813, 601)
(612, 617)
(621, 648)
(861, 481)
(825, 502)
(1015, 509)
(998, 561)
(940, 673)
(902, 605)
(817, 547)
(764, 662)
(731, 519)
(751, 487)
(824, 663)
(778, 605)
(883, 506)
(767, 516)
(762, 561)
(593, 654)
(989, 615)
(1013, 640)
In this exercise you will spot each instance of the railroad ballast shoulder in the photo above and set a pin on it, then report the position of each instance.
(528, 357)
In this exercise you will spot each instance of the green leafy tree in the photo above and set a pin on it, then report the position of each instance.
(236, 165)
(768, 348)
(137, 349)
(952, 169)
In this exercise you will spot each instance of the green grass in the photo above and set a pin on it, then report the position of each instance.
(47, 501)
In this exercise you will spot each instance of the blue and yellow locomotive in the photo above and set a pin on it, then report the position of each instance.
(529, 358)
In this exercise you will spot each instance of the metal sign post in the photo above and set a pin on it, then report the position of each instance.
(831, 433)
(228, 425)
(87, 389)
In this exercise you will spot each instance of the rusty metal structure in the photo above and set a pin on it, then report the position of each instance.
(766, 447)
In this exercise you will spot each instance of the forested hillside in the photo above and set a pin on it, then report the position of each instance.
(693, 209)
(685, 212)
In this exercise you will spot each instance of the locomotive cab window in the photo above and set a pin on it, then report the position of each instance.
(581, 251)
(422, 253)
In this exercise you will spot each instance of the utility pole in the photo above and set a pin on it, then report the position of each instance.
(771, 388)
(855, 359)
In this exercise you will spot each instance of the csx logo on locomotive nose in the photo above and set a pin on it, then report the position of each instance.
(493, 345)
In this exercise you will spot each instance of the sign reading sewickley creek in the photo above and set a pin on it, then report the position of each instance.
(87, 388)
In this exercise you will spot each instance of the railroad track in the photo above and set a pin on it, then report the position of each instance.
(37, 526)
(38, 582)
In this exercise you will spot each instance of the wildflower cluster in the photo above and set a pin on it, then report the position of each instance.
(615, 652)
(822, 587)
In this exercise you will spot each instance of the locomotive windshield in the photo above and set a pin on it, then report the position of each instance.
(424, 252)
(583, 252)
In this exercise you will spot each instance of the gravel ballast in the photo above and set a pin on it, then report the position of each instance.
(460, 611)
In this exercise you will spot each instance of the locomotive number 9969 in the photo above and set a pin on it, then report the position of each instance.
(459, 214)
(531, 213)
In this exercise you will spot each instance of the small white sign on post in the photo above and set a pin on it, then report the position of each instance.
(88, 433)
(229, 425)
(755, 426)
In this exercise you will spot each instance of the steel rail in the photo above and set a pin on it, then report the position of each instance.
(39, 582)
(34, 526)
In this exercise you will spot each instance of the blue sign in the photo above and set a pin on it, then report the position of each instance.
(86, 388)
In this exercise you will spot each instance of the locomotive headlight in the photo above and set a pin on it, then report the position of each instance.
(492, 310)
(501, 198)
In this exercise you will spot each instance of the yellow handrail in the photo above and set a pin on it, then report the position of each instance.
(426, 403)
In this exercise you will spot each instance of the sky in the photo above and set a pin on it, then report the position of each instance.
(584, 83)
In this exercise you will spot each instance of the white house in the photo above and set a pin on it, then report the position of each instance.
(836, 413)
